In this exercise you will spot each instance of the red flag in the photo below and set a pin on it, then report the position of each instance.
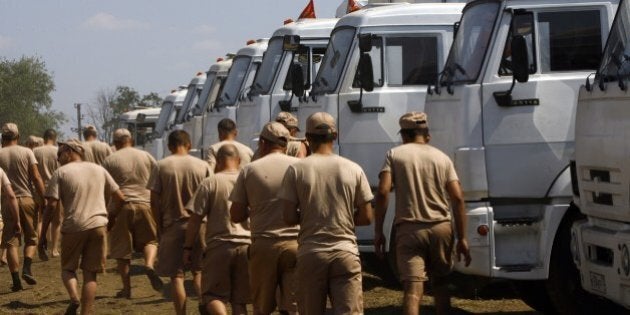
(309, 11)
(353, 6)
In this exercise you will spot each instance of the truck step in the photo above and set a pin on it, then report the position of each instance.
(518, 221)
(517, 268)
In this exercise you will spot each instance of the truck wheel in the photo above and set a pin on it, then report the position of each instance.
(534, 294)
(563, 284)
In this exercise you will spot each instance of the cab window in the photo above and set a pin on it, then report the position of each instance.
(411, 60)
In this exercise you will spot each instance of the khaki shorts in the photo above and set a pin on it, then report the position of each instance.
(336, 274)
(272, 271)
(89, 246)
(28, 221)
(133, 230)
(225, 275)
(422, 248)
(171, 251)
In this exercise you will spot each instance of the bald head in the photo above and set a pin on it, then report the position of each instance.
(228, 158)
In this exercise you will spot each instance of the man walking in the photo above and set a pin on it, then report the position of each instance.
(172, 183)
(227, 134)
(81, 187)
(272, 255)
(96, 151)
(224, 278)
(10, 209)
(21, 167)
(425, 181)
(47, 164)
(133, 226)
(327, 188)
(296, 147)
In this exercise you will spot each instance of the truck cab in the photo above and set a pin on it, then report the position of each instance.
(156, 144)
(194, 121)
(601, 172)
(239, 81)
(271, 91)
(406, 44)
(503, 109)
(190, 101)
(140, 122)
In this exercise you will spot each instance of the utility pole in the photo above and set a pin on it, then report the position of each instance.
(78, 107)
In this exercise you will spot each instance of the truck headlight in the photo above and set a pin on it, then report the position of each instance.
(575, 249)
(625, 260)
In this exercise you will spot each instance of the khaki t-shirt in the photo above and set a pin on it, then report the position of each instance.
(96, 151)
(257, 186)
(46, 157)
(131, 169)
(420, 173)
(211, 200)
(81, 187)
(327, 189)
(16, 161)
(244, 152)
(176, 178)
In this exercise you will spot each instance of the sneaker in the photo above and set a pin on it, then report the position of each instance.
(72, 308)
(29, 278)
(156, 282)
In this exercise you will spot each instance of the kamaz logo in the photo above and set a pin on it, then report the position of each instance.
(526, 102)
(373, 109)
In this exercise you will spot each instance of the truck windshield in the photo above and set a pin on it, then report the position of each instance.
(334, 60)
(165, 114)
(269, 67)
(616, 59)
(191, 98)
(471, 43)
(232, 87)
(201, 105)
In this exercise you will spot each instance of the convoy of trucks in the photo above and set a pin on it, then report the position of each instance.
(499, 81)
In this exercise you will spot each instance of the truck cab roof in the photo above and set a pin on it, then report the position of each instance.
(403, 14)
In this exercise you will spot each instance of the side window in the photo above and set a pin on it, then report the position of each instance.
(376, 54)
(570, 40)
(310, 59)
(411, 60)
(526, 29)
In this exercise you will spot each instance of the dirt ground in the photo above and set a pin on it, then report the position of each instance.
(382, 295)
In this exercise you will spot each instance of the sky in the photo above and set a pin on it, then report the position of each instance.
(150, 46)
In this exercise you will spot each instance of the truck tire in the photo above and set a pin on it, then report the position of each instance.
(534, 294)
(563, 284)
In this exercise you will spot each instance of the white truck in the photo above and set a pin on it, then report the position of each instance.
(406, 44)
(171, 105)
(601, 172)
(503, 109)
(195, 120)
(192, 97)
(297, 48)
(140, 122)
(239, 81)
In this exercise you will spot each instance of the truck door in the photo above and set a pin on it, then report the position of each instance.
(403, 65)
(528, 140)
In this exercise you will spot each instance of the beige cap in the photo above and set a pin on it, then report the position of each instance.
(413, 120)
(10, 128)
(288, 120)
(75, 145)
(276, 133)
(121, 133)
(320, 123)
(34, 141)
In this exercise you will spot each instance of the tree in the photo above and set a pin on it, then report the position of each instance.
(109, 104)
(25, 88)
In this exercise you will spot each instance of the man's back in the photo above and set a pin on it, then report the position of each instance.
(97, 151)
(15, 161)
(420, 173)
(244, 152)
(46, 161)
(131, 169)
(175, 179)
(328, 188)
(258, 187)
(81, 187)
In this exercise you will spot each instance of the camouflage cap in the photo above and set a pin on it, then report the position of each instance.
(413, 120)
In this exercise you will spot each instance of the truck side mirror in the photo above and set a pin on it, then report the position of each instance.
(365, 42)
(520, 60)
(366, 72)
(291, 42)
(297, 80)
